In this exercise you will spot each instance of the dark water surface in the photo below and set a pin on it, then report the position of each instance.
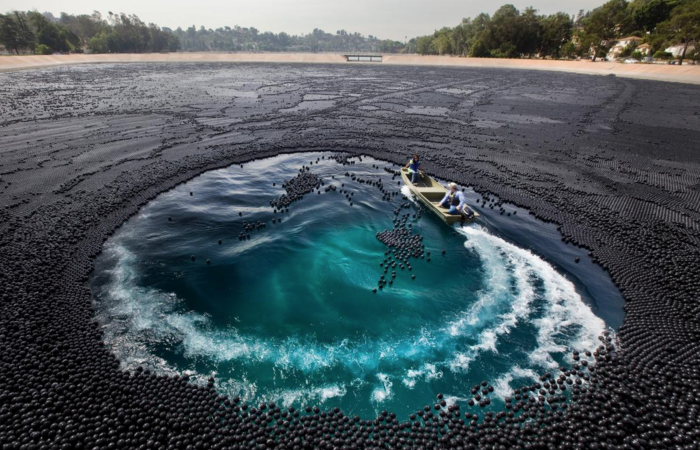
(289, 314)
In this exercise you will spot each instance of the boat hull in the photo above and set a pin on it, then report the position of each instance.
(430, 193)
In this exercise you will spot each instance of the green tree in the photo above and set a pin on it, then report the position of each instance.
(458, 39)
(466, 33)
(481, 23)
(663, 55)
(42, 49)
(529, 33)
(684, 26)
(12, 36)
(479, 50)
(98, 44)
(653, 13)
(442, 42)
(556, 31)
(609, 21)
(694, 55)
(84, 26)
(504, 27)
(605, 24)
(568, 50)
(49, 34)
(423, 45)
(26, 34)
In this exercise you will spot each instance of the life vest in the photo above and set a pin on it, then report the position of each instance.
(454, 200)
(413, 165)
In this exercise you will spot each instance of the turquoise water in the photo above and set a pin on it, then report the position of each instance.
(289, 314)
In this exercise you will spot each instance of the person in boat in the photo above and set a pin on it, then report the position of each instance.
(413, 166)
(454, 200)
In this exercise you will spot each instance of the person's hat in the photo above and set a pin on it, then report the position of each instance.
(452, 185)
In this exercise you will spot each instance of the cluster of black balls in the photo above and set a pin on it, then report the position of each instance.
(387, 195)
(403, 240)
(296, 188)
(250, 227)
(344, 158)
(62, 388)
(634, 208)
(403, 244)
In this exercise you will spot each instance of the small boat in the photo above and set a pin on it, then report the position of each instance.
(430, 192)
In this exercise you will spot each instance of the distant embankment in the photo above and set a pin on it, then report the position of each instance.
(680, 74)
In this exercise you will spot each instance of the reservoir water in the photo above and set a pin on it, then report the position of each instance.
(287, 312)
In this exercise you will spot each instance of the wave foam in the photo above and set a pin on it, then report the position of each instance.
(383, 393)
(566, 319)
(134, 317)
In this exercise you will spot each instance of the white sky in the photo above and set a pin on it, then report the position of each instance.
(386, 19)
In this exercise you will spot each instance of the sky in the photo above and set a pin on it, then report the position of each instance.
(386, 19)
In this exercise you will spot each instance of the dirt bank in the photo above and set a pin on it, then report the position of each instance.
(680, 74)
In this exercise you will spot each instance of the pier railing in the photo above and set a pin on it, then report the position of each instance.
(363, 57)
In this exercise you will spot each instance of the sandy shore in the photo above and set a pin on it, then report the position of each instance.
(680, 74)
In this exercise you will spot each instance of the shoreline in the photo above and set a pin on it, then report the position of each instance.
(678, 74)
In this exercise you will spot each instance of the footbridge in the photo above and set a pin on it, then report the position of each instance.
(363, 57)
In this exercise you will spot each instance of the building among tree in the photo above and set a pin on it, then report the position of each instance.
(644, 49)
(677, 50)
(623, 44)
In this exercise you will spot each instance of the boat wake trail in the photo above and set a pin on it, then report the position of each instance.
(522, 287)
(526, 319)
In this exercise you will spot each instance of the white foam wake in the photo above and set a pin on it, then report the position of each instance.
(515, 281)
(405, 190)
(566, 323)
(502, 386)
(384, 392)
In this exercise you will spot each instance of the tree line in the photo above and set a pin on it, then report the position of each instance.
(508, 33)
(34, 32)
(228, 39)
(42, 33)
(511, 33)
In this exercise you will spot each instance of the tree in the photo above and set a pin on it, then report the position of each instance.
(42, 49)
(458, 39)
(694, 55)
(12, 36)
(653, 13)
(609, 21)
(529, 33)
(99, 44)
(504, 27)
(442, 42)
(57, 38)
(479, 50)
(605, 24)
(237, 38)
(663, 55)
(466, 33)
(423, 45)
(84, 26)
(568, 50)
(556, 31)
(684, 26)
